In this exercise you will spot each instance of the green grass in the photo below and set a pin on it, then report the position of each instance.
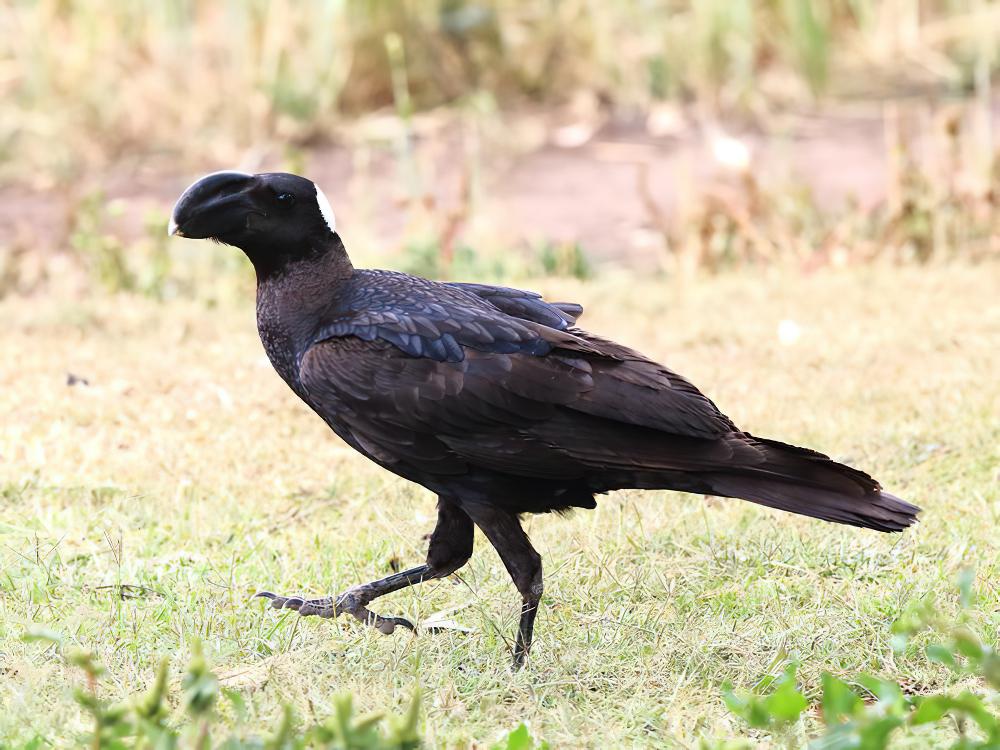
(189, 473)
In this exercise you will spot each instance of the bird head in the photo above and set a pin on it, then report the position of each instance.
(268, 213)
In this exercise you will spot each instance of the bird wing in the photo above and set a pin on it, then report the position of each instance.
(632, 389)
(563, 407)
(431, 320)
(440, 320)
(519, 303)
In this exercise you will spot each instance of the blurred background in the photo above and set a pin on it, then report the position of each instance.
(500, 138)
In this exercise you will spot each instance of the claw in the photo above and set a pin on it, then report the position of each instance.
(281, 602)
(347, 603)
(388, 624)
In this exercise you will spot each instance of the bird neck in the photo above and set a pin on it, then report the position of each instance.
(302, 285)
(294, 296)
(323, 258)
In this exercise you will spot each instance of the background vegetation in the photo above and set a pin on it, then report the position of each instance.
(90, 80)
(794, 202)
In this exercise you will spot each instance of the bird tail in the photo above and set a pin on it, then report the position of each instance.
(811, 484)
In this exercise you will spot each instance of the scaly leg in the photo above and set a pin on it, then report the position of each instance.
(450, 548)
(523, 563)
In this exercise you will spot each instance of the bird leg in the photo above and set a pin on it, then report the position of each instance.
(355, 600)
(523, 563)
(450, 548)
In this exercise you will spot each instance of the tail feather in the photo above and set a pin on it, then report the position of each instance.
(877, 510)
(797, 480)
(767, 472)
(803, 481)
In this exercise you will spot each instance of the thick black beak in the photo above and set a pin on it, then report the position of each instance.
(214, 206)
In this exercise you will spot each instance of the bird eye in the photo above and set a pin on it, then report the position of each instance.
(285, 199)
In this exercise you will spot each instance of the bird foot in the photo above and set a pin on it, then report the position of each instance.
(353, 602)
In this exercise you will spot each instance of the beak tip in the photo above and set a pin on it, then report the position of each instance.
(173, 229)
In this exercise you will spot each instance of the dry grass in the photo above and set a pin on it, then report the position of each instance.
(187, 470)
(127, 100)
(88, 82)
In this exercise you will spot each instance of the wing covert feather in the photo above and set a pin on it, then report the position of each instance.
(561, 415)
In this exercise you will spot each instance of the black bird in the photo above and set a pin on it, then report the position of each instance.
(490, 397)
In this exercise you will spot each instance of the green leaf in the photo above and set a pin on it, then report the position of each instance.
(748, 707)
(238, 702)
(965, 704)
(990, 668)
(403, 730)
(931, 709)
(874, 735)
(839, 737)
(283, 738)
(201, 687)
(887, 692)
(786, 703)
(968, 644)
(151, 706)
(839, 700)
(517, 739)
(942, 655)
(974, 707)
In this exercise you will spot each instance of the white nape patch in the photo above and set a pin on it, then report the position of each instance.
(325, 209)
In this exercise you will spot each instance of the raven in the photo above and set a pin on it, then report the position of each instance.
(490, 397)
